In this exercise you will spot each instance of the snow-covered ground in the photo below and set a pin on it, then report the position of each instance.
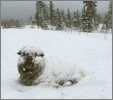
(67, 54)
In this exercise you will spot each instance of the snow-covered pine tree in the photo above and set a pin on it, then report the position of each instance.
(98, 19)
(63, 18)
(59, 23)
(76, 19)
(40, 12)
(46, 12)
(88, 16)
(62, 15)
(68, 19)
(52, 13)
(32, 22)
(45, 22)
(37, 16)
(108, 17)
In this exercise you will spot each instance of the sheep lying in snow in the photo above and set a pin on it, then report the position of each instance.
(31, 64)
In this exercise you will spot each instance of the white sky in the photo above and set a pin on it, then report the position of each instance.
(25, 9)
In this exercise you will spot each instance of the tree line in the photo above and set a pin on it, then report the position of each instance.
(87, 20)
(10, 23)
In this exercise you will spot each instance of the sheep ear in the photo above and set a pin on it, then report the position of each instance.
(42, 55)
(19, 52)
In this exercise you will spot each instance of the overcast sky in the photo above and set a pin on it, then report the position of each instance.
(25, 9)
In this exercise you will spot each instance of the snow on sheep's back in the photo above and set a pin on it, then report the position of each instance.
(64, 52)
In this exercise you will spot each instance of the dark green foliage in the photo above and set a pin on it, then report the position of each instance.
(63, 17)
(88, 16)
(98, 19)
(76, 19)
(44, 25)
(59, 27)
(86, 24)
(68, 19)
(41, 14)
(108, 17)
(87, 21)
(59, 23)
(51, 13)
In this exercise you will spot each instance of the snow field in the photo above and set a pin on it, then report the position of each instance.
(67, 54)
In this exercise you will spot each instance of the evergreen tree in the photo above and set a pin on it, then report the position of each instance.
(33, 21)
(63, 17)
(40, 14)
(68, 19)
(45, 17)
(98, 19)
(52, 13)
(108, 17)
(59, 24)
(76, 19)
(46, 12)
(88, 16)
